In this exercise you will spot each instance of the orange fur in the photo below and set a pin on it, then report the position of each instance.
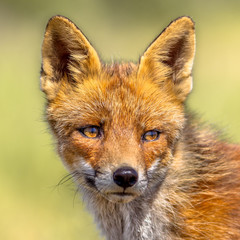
(186, 181)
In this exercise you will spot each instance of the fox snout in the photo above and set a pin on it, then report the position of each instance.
(116, 183)
(120, 184)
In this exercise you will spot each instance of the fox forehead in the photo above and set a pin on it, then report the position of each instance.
(116, 94)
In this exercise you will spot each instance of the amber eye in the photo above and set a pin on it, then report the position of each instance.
(151, 135)
(90, 131)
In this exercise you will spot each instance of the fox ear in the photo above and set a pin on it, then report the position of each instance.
(169, 58)
(67, 55)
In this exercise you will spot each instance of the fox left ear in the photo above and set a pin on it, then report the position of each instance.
(168, 60)
(67, 56)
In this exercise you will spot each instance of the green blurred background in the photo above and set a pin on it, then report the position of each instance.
(31, 207)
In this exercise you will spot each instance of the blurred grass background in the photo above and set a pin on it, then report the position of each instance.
(30, 206)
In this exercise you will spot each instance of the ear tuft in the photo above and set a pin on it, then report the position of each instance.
(170, 57)
(67, 55)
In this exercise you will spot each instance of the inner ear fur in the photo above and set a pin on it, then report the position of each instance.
(170, 57)
(67, 55)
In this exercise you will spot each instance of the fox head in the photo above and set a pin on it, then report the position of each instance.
(117, 127)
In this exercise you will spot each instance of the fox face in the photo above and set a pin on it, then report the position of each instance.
(117, 126)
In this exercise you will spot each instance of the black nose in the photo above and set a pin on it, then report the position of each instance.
(125, 177)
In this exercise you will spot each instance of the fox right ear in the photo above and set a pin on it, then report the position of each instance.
(67, 56)
(168, 60)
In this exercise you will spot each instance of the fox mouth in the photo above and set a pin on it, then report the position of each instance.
(122, 194)
(120, 197)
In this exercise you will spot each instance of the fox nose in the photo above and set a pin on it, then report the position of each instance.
(125, 177)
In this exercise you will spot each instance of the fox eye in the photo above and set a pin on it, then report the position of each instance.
(90, 131)
(151, 135)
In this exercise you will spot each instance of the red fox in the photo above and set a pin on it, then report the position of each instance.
(146, 168)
